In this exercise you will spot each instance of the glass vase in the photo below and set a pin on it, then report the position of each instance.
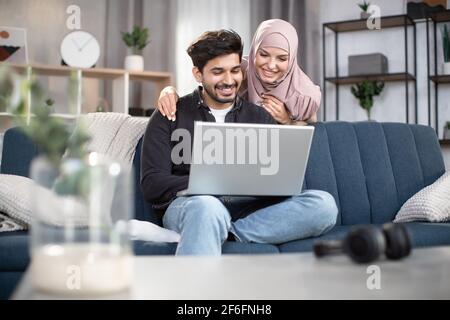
(79, 238)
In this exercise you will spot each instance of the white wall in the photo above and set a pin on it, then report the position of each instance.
(390, 105)
(45, 22)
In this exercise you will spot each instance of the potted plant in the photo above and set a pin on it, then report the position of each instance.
(365, 91)
(446, 49)
(364, 7)
(137, 40)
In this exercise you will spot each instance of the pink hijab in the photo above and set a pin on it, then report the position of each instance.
(300, 95)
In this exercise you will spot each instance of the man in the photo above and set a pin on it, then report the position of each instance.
(205, 222)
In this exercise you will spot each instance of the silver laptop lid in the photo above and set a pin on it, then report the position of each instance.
(249, 159)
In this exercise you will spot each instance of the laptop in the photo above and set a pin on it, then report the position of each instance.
(237, 159)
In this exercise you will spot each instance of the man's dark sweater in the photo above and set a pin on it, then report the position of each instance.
(161, 179)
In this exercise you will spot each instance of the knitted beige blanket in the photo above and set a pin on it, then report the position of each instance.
(114, 134)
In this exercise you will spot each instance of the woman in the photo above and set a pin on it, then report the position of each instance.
(272, 78)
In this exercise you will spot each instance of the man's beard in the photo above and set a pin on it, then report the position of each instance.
(214, 96)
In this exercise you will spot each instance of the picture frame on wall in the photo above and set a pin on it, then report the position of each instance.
(13, 45)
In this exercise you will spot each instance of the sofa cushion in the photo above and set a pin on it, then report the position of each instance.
(229, 247)
(422, 234)
(14, 255)
(372, 168)
(142, 210)
(431, 204)
(376, 163)
(306, 245)
(16, 160)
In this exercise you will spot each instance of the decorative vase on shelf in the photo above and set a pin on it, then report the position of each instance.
(79, 240)
(134, 63)
(136, 40)
(365, 15)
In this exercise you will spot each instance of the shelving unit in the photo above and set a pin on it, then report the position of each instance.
(436, 78)
(360, 25)
(120, 81)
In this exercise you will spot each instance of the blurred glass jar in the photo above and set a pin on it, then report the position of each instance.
(79, 239)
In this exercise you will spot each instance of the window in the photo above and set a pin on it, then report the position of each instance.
(198, 16)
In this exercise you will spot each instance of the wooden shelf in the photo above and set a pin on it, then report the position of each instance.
(443, 16)
(361, 24)
(98, 73)
(146, 75)
(445, 78)
(445, 142)
(121, 80)
(391, 77)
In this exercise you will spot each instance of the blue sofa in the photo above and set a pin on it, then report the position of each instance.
(370, 168)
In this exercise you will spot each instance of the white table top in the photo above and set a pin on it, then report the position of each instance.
(423, 275)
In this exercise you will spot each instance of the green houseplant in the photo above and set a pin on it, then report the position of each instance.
(446, 48)
(365, 91)
(136, 40)
(364, 7)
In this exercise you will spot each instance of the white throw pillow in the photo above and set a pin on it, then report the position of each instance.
(16, 200)
(431, 204)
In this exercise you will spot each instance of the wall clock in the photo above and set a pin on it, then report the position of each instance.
(80, 49)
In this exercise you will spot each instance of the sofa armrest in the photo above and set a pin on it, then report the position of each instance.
(18, 152)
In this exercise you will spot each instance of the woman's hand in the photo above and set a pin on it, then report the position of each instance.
(276, 108)
(306, 122)
(167, 102)
(313, 118)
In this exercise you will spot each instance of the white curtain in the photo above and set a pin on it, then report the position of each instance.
(196, 16)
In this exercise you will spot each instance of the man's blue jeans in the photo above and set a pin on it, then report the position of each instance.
(204, 221)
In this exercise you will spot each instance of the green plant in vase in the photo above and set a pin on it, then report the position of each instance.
(364, 7)
(365, 91)
(136, 40)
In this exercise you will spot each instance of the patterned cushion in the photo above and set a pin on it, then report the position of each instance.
(431, 204)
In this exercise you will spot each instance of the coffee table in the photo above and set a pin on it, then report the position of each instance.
(423, 275)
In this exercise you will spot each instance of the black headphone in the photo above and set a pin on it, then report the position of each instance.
(366, 243)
